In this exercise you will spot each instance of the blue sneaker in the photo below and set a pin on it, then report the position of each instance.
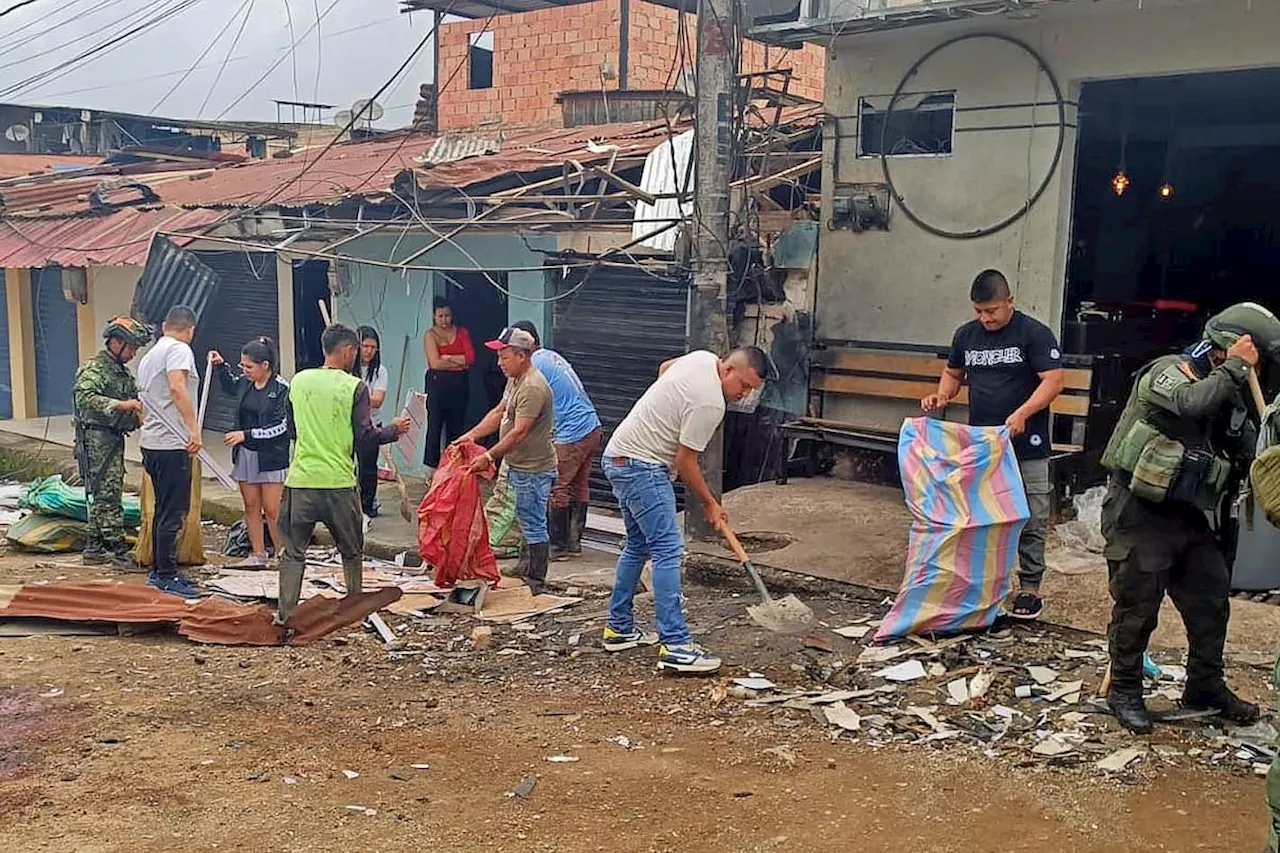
(691, 659)
(621, 641)
(173, 584)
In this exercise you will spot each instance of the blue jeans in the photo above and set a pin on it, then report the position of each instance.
(533, 491)
(648, 503)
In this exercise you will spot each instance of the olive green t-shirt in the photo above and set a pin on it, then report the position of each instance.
(530, 397)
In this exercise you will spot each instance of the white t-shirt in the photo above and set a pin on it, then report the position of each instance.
(685, 406)
(153, 379)
(378, 382)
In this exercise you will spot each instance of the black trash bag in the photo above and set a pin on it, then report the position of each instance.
(237, 544)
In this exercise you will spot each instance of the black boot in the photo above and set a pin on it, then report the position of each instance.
(537, 576)
(521, 568)
(1130, 710)
(558, 531)
(577, 524)
(1216, 696)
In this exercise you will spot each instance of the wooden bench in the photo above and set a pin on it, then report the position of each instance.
(911, 376)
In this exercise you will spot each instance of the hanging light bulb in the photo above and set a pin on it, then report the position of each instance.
(1166, 190)
(1120, 182)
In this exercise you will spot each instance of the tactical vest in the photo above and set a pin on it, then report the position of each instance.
(1165, 458)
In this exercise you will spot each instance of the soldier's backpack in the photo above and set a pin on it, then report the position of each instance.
(1264, 473)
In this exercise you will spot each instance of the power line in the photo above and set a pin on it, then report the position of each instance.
(225, 59)
(23, 43)
(231, 20)
(276, 64)
(64, 68)
(13, 33)
(16, 6)
(293, 54)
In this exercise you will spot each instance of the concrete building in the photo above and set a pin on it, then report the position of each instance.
(532, 63)
(1003, 147)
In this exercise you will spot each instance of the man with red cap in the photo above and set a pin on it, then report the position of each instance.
(525, 423)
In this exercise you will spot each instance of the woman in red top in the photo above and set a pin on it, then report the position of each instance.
(449, 358)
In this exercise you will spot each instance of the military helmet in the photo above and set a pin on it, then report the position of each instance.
(127, 329)
(1245, 318)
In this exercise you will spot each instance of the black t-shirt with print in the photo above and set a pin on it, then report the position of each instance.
(1002, 369)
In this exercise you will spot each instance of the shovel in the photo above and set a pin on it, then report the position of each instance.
(774, 614)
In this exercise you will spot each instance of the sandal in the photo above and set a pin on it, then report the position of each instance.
(1027, 606)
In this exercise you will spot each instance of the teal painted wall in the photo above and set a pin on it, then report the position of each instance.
(399, 303)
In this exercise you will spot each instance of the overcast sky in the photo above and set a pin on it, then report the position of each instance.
(354, 50)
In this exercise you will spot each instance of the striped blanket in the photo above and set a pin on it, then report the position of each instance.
(968, 506)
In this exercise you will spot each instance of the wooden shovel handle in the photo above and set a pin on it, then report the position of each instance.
(1255, 390)
(734, 545)
(324, 313)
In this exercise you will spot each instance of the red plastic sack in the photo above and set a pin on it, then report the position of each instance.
(453, 536)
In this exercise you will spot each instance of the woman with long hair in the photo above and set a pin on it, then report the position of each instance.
(374, 373)
(449, 359)
(260, 442)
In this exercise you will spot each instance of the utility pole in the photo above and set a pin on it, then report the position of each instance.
(713, 147)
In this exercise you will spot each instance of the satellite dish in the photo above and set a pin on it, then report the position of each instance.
(343, 118)
(367, 111)
(17, 133)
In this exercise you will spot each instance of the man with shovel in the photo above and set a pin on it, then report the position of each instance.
(659, 440)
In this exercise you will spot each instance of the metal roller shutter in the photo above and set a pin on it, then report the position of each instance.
(57, 342)
(245, 306)
(615, 331)
(6, 392)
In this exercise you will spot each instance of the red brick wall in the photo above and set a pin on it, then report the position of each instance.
(539, 54)
(535, 56)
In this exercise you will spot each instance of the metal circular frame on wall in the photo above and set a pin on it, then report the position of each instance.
(1031, 199)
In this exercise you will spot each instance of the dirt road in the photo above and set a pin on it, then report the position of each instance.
(151, 743)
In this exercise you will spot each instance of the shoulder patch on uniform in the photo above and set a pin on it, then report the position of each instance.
(1169, 378)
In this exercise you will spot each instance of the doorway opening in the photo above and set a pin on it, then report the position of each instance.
(481, 309)
(310, 288)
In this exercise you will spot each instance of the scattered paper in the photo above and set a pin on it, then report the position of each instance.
(1066, 691)
(853, 632)
(755, 682)
(878, 654)
(1120, 759)
(906, 671)
(841, 715)
(1052, 746)
(1042, 674)
(957, 692)
(351, 774)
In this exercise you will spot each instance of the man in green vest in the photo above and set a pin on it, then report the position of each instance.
(329, 415)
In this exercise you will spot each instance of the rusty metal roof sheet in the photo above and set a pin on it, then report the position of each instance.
(19, 165)
(121, 237)
(214, 620)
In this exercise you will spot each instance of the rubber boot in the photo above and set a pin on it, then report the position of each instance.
(1218, 697)
(521, 568)
(558, 530)
(353, 576)
(537, 576)
(1130, 710)
(577, 524)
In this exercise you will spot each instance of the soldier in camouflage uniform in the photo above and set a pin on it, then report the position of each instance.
(1180, 449)
(107, 408)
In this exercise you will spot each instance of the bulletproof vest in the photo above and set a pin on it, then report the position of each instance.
(1165, 457)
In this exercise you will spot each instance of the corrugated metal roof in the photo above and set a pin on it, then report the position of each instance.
(213, 620)
(668, 169)
(173, 277)
(18, 165)
(121, 237)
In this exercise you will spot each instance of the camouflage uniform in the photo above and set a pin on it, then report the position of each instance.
(101, 427)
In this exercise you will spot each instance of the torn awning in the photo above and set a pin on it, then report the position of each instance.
(115, 239)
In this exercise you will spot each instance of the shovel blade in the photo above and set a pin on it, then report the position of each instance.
(781, 614)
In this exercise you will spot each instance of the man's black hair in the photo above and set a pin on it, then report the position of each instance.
(180, 317)
(527, 326)
(337, 336)
(756, 360)
(989, 286)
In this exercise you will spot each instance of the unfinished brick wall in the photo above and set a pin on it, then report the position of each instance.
(537, 55)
